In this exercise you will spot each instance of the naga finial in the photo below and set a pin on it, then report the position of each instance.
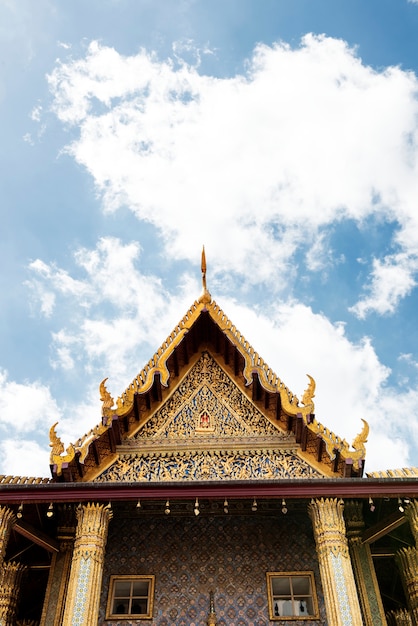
(361, 439)
(107, 400)
(57, 457)
(206, 298)
(309, 393)
(359, 445)
(55, 442)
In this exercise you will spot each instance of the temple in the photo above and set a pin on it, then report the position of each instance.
(208, 493)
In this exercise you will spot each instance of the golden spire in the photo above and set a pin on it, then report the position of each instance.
(206, 298)
(212, 620)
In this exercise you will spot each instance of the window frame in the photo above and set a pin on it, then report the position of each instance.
(289, 575)
(150, 579)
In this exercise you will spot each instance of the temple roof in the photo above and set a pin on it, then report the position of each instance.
(205, 328)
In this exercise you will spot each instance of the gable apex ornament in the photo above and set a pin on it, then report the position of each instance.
(205, 298)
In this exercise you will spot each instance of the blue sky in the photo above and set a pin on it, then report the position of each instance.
(282, 135)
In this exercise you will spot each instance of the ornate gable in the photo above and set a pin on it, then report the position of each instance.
(208, 430)
(206, 406)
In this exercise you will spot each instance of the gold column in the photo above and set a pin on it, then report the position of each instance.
(59, 573)
(408, 561)
(363, 567)
(10, 578)
(411, 514)
(7, 519)
(340, 594)
(399, 618)
(83, 594)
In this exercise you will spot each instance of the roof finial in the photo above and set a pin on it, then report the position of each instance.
(206, 298)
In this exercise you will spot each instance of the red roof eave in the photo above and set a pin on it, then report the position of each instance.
(288, 488)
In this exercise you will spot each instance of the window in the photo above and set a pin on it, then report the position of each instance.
(130, 596)
(292, 595)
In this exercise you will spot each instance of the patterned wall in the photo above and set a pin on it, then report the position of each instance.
(227, 554)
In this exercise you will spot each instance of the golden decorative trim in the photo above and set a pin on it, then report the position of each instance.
(22, 480)
(405, 472)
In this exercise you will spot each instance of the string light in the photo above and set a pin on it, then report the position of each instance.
(50, 511)
(371, 504)
(226, 506)
(254, 506)
(400, 505)
(138, 504)
(167, 507)
(284, 507)
(19, 513)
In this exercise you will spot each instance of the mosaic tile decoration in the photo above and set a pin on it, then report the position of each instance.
(192, 556)
(343, 603)
(82, 592)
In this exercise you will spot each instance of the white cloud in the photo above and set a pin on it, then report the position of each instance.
(113, 310)
(392, 279)
(25, 406)
(26, 410)
(22, 457)
(256, 164)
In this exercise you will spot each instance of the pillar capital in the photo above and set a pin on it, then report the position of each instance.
(328, 525)
(10, 579)
(408, 562)
(7, 520)
(353, 514)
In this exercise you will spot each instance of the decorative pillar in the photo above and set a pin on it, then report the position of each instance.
(411, 514)
(7, 519)
(10, 579)
(59, 572)
(340, 594)
(363, 567)
(407, 559)
(408, 563)
(83, 594)
(399, 618)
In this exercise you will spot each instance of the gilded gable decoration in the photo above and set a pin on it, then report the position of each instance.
(257, 401)
(208, 430)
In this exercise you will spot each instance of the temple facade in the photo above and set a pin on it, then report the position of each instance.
(208, 493)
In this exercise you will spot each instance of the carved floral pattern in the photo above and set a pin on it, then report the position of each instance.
(208, 388)
(208, 466)
(208, 430)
